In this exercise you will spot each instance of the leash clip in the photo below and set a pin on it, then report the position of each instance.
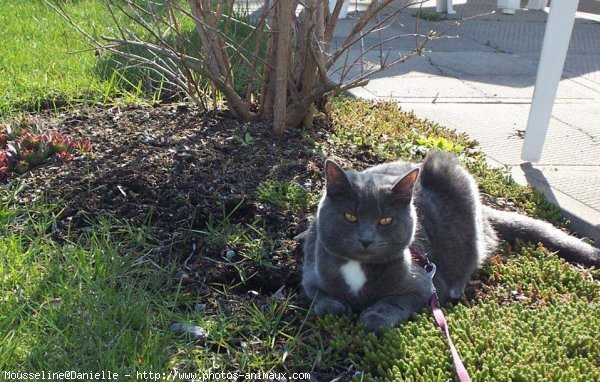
(430, 268)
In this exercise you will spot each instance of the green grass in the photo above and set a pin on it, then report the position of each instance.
(101, 303)
(288, 196)
(79, 304)
(250, 241)
(45, 63)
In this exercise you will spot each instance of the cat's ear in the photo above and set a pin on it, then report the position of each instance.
(337, 183)
(403, 189)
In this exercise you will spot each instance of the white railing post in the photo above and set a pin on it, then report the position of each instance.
(552, 60)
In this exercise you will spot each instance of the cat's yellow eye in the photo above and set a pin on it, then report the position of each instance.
(350, 218)
(385, 221)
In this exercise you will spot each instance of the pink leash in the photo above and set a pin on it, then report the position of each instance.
(440, 319)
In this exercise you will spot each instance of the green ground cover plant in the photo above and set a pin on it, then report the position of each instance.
(394, 134)
(535, 318)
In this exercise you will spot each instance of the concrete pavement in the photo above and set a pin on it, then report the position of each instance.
(481, 81)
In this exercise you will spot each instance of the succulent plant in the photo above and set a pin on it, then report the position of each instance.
(29, 141)
(12, 132)
(13, 150)
(25, 144)
(4, 165)
(82, 146)
(64, 157)
(59, 143)
(27, 155)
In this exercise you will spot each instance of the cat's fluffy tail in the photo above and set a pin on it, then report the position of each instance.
(511, 225)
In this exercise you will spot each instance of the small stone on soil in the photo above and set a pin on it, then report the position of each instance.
(230, 254)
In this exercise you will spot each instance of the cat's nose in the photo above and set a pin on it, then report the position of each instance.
(365, 243)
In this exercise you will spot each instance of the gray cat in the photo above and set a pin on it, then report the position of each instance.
(357, 249)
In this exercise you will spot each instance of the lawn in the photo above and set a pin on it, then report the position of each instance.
(105, 259)
(44, 62)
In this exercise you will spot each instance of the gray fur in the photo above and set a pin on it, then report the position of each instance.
(439, 214)
(511, 225)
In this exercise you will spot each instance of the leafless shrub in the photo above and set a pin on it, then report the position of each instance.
(287, 52)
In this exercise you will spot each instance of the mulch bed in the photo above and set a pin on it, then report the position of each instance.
(173, 167)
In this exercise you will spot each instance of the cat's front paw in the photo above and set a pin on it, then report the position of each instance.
(329, 306)
(376, 321)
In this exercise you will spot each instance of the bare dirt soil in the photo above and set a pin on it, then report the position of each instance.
(174, 168)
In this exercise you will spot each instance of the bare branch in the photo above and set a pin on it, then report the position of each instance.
(284, 15)
(238, 106)
(257, 46)
(239, 49)
(333, 18)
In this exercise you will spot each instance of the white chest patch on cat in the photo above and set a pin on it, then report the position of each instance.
(353, 275)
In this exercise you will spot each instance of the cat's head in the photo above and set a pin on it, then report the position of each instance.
(366, 216)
